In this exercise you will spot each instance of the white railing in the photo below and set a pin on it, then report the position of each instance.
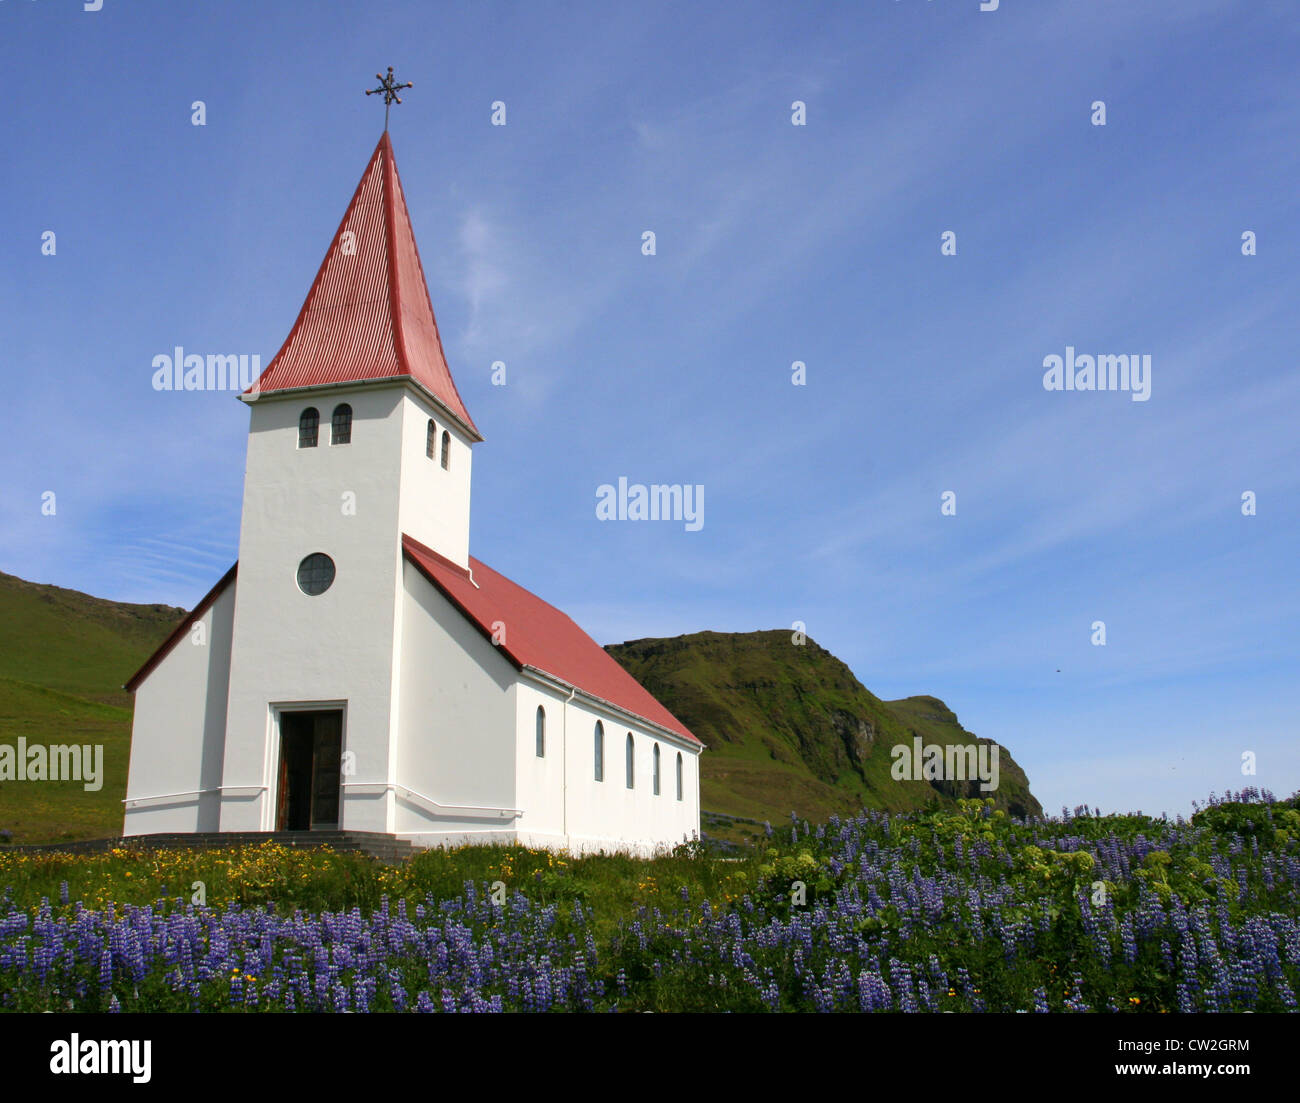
(435, 806)
(131, 802)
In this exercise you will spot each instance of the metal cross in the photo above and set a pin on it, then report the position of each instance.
(389, 87)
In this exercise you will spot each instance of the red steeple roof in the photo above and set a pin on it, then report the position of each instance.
(368, 315)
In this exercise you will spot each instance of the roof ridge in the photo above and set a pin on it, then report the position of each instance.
(390, 235)
(400, 193)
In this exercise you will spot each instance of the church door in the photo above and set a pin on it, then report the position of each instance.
(311, 745)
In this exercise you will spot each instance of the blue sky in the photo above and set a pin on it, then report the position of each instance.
(775, 243)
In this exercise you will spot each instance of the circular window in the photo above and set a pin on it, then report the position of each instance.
(316, 574)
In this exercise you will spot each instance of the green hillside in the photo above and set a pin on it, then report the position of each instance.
(63, 658)
(75, 643)
(789, 728)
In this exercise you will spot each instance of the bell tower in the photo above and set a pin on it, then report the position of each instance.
(357, 436)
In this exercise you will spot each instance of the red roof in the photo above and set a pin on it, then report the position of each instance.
(368, 315)
(538, 635)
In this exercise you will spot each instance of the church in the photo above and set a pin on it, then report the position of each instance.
(357, 669)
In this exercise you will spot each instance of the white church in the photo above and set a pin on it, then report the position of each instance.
(357, 669)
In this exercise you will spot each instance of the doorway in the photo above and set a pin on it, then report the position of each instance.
(311, 745)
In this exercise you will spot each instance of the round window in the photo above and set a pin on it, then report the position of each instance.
(316, 574)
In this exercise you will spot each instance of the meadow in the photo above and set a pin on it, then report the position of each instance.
(966, 910)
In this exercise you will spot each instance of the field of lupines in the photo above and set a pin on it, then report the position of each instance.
(963, 911)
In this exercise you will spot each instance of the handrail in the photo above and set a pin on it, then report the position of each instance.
(192, 793)
(385, 785)
(421, 798)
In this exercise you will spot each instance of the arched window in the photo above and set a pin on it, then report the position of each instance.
(600, 751)
(341, 425)
(631, 765)
(541, 732)
(430, 439)
(446, 450)
(308, 425)
(656, 769)
(679, 775)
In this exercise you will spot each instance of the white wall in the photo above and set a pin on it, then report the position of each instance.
(293, 649)
(178, 731)
(469, 737)
(456, 734)
(590, 815)
(435, 503)
(541, 780)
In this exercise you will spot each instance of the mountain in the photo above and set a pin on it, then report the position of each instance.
(789, 728)
(63, 658)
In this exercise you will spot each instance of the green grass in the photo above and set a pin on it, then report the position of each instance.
(64, 657)
(58, 811)
(75, 643)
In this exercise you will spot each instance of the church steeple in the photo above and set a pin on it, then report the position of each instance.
(368, 316)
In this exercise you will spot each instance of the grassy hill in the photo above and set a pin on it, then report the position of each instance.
(63, 658)
(789, 728)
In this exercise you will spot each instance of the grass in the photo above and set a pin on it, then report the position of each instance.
(64, 657)
(60, 811)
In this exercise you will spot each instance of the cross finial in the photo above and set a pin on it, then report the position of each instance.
(389, 87)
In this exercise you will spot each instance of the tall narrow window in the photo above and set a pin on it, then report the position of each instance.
(631, 765)
(679, 775)
(341, 425)
(600, 751)
(446, 450)
(541, 732)
(656, 769)
(430, 439)
(308, 426)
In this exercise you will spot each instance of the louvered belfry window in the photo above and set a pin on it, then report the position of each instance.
(341, 425)
(308, 426)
